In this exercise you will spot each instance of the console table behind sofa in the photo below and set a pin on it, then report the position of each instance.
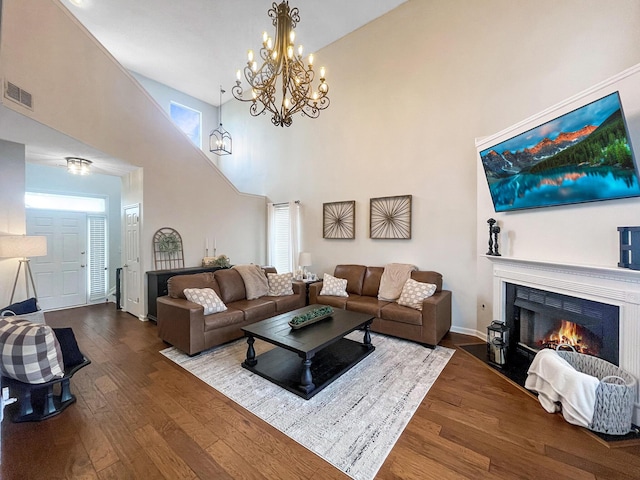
(157, 285)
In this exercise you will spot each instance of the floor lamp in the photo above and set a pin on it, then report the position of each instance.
(23, 247)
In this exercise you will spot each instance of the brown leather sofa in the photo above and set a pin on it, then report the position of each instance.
(183, 324)
(427, 326)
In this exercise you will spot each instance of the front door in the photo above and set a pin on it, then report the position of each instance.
(61, 276)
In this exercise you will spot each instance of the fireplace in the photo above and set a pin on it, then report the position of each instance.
(618, 289)
(541, 319)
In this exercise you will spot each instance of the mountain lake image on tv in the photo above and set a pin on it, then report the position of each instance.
(582, 156)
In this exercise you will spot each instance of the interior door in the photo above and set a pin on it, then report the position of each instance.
(61, 276)
(132, 278)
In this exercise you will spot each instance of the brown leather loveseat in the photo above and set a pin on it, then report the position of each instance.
(183, 324)
(427, 326)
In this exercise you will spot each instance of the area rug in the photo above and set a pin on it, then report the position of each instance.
(354, 422)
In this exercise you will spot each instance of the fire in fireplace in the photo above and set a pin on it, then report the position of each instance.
(569, 333)
(541, 319)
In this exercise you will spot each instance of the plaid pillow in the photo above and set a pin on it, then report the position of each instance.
(29, 352)
(413, 293)
(207, 297)
(280, 284)
(334, 286)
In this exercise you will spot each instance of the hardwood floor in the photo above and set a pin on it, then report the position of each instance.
(138, 415)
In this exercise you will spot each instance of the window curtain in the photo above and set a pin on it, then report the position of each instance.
(294, 234)
(271, 234)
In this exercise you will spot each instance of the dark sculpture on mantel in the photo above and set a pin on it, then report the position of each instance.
(494, 230)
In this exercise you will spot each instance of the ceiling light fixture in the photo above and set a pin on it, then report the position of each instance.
(219, 139)
(283, 70)
(78, 166)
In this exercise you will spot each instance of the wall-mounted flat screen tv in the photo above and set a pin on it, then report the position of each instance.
(582, 156)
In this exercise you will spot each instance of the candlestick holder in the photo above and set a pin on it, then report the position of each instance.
(496, 231)
(491, 223)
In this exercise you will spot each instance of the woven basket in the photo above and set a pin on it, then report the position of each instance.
(615, 394)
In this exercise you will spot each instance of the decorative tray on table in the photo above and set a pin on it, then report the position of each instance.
(310, 317)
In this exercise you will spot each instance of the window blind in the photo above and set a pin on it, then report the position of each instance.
(97, 257)
(281, 238)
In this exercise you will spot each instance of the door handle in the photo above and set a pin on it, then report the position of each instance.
(82, 265)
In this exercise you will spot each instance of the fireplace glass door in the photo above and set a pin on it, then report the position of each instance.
(544, 319)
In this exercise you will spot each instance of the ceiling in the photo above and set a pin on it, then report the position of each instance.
(193, 46)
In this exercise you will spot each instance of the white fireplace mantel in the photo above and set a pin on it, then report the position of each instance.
(611, 285)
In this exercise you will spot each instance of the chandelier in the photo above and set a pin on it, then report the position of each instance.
(219, 139)
(78, 166)
(282, 85)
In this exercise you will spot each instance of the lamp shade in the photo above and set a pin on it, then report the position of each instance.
(22, 246)
(305, 259)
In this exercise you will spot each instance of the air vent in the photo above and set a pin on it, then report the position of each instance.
(15, 93)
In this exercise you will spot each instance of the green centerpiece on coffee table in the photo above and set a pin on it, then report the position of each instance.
(310, 317)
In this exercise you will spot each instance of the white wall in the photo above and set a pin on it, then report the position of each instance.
(12, 216)
(164, 95)
(584, 234)
(410, 93)
(79, 90)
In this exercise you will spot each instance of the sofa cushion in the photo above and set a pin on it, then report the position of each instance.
(280, 284)
(177, 283)
(207, 298)
(286, 303)
(413, 293)
(354, 274)
(336, 287)
(399, 313)
(371, 283)
(428, 277)
(337, 302)
(231, 285)
(369, 305)
(230, 316)
(29, 352)
(71, 354)
(29, 305)
(256, 309)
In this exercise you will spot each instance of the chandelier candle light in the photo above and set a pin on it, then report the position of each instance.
(282, 85)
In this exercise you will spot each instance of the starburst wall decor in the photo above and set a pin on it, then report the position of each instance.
(390, 217)
(339, 220)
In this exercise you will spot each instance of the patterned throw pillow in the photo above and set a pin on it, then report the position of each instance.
(334, 286)
(207, 297)
(29, 352)
(413, 293)
(280, 284)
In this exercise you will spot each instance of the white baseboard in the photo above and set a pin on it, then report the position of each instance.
(469, 331)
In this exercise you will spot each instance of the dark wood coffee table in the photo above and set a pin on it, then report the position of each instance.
(308, 359)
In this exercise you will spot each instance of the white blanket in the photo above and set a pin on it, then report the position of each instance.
(555, 380)
(394, 276)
